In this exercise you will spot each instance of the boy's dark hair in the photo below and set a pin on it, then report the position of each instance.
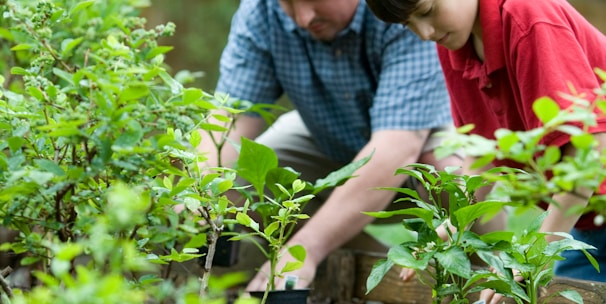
(393, 11)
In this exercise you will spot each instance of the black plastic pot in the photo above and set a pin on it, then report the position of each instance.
(294, 296)
(226, 252)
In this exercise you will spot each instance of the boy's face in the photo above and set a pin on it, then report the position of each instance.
(447, 22)
(323, 19)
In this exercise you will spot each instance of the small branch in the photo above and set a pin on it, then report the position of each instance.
(211, 240)
(4, 283)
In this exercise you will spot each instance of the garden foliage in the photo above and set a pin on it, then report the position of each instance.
(444, 263)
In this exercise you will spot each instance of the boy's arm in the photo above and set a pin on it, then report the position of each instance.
(558, 219)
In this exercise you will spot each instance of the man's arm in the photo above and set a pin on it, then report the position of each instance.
(340, 218)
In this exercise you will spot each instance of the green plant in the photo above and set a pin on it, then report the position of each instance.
(278, 196)
(451, 275)
(97, 149)
(527, 255)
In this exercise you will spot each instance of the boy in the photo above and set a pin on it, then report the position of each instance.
(498, 57)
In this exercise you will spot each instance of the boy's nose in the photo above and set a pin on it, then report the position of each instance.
(303, 13)
(425, 30)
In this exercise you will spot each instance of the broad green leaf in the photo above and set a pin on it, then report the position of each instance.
(41, 178)
(183, 184)
(68, 45)
(212, 127)
(134, 92)
(298, 252)
(190, 95)
(403, 256)
(455, 261)
(245, 220)
(465, 129)
(572, 295)
(291, 266)
(130, 137)
(197, 241)
(551, 156)
(379, 270)
(483, 161)
(470, 213)
(254, 162)
(506, 139)
(271, 228)
(15, 143)
(19, 71)
(36, 93)
(279, 177)
(64, 75)
(175, 86)
(222, 186)
(6, 34)
(406, 191)
(50, 166)
(69, 251)
(337, 178)
(158, 51)
(195, 138)
(424, 214)
(81, 6)
(46, 278)
(546, 109)
(582, 141)
(21, 47)
(535, 225)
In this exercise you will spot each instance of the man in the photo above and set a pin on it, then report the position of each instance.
(359, 86)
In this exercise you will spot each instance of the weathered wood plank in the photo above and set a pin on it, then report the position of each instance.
(342, 280)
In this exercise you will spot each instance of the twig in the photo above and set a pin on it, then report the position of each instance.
(6, 271)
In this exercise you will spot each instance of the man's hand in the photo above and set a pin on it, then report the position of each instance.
(305, 275)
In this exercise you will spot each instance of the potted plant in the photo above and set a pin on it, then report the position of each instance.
(278, 196)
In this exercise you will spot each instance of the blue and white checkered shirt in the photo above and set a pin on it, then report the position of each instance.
(373, 76)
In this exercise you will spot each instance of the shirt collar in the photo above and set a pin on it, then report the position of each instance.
(355, 26)
(492, 37)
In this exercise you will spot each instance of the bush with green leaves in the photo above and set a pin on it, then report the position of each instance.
(445, 264)
(98, 143)
(100, 171)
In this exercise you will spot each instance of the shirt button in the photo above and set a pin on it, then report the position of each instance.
(346, 96)
(338, 52)
(489, 85)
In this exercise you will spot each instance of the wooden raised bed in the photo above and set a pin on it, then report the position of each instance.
(341, 279)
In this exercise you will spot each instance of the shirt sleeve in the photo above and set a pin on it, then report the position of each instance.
(246, 66)
(549, 60)
(411, 92)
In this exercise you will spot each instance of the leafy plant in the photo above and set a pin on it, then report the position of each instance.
(445, 263)
(451, 274)
(97, 150)
(280, 206)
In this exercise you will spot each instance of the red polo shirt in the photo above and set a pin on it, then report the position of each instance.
(532, 49)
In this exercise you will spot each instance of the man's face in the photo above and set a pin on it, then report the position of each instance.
(447, 22)
(323, 19)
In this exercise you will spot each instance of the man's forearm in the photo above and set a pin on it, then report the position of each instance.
(341, 218)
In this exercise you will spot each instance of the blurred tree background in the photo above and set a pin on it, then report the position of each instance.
(202, 29)
(203, 25)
